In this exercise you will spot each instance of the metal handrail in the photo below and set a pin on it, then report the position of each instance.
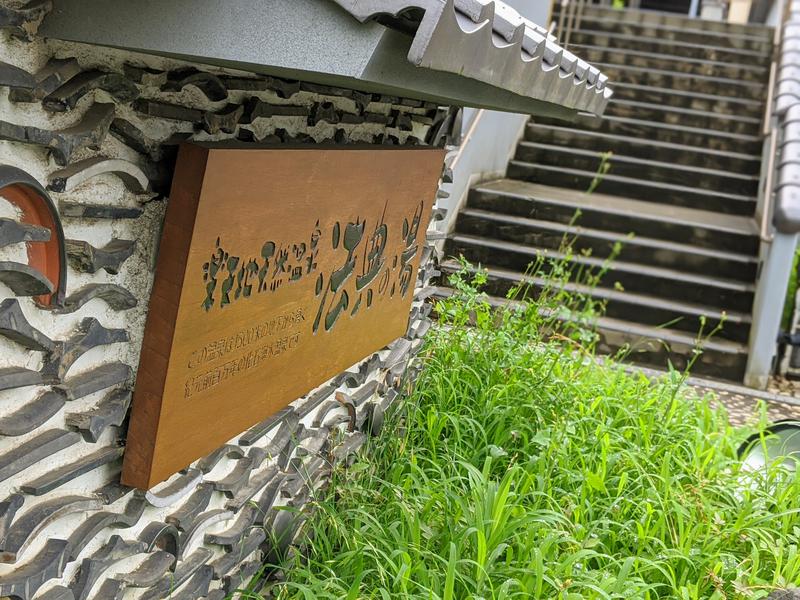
(764, 231)
(579, 16)
(569, 19)
(777, 38)
(561, 13)
(570, 22)
(771, 130)
(773, 70)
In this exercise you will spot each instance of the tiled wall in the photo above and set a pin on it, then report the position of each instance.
(98, 128)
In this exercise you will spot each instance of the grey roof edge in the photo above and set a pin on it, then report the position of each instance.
(489, 41)
(320, 42)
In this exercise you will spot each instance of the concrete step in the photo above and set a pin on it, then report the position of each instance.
(699, 228)
(747, 165)
(684, 22)
(690, 100)
(596, 242)
(657, 282)
(687, 82)
(654, 346)
(680, 7)
(638, 168)
(679, 34)
(662, 347)
(684, 117)
(639, 308)
(713, 139)
(706, 51)
(677, 64)
(635, 187)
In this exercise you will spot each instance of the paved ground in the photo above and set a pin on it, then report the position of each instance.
(742, 402)
(787, 387)
(782, 398)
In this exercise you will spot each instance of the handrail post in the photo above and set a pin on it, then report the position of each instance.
(561, 12)
(571, 9)
(764, 229)
(770, 130)
(581, 6)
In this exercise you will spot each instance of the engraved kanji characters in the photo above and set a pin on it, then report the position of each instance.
(298, 251)
(227, 284)
(372, 264)
(210, 271)
(410, 232)
(243, 286)
(311, 259)
(280, 269)
(288, 263)
(267, 252)
(353, 234)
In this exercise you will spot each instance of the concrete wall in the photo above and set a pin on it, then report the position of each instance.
(488, 142)
(537, 11)
(489, 137)
(67, 528)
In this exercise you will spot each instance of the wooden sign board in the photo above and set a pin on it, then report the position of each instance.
(278, 269)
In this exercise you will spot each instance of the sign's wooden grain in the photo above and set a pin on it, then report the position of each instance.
(278, 269)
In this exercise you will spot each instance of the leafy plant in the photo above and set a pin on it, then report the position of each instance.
(791, 291)
(602, 169)
(523, 467)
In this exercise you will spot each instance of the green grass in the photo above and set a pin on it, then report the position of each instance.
(791, 290)
(521, 467)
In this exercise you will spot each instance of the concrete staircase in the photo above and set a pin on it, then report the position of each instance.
(684, 127)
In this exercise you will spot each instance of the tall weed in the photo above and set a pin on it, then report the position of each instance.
(522, 467)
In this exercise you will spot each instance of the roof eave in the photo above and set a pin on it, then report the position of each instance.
(317, 41)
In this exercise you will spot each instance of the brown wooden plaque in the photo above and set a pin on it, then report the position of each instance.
(278, 269)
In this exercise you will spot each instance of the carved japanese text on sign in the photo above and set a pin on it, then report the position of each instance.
(278, 269)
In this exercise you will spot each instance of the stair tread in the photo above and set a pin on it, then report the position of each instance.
(641, 182)
(638, 140)
(658, 56)
(693, 217)
(670, 336)
(733, 317)
(685, 111)
(669, 28)
(618, 156)
(612, 236)
(757, 29)
(670, 150)
(699, 95)
(644, 40)
(742, 137)
(678, 74)
(618, 265)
